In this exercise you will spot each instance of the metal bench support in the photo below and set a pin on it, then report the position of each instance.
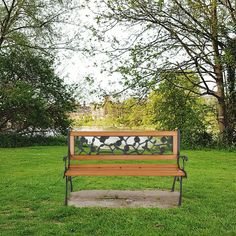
(180, 190)
(173, 186)
(66, 201)
(71, 185)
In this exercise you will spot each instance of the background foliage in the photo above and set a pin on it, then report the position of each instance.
(183, 37)
(33, 98)
(166, 108)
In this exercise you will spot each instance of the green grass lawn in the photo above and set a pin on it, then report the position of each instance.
(32, 196)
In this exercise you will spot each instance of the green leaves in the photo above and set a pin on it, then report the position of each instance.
(176, 36)
(32, 97)
(39, 22)
(176, 108)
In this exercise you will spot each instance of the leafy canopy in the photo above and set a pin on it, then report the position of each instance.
(32, 97)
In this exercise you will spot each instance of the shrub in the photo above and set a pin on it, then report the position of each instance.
(17, 140)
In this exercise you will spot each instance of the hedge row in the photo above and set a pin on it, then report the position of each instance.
(16, 140)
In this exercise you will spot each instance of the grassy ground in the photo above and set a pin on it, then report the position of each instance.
(32, 194)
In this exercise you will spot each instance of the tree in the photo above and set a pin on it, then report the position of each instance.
(35, 24)
(178, 37)
(32, 98)
(176, 108)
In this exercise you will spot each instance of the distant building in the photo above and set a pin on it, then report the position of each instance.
(96, 111)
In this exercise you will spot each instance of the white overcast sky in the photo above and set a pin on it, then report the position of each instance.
(74, 66)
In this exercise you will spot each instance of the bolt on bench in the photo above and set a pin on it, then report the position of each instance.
(84, 146)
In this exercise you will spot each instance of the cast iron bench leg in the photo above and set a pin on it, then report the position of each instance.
(173, 186)
(180, 190)
(71, 186)
(66, 200)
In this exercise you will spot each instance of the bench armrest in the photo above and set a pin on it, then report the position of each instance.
(184, 158)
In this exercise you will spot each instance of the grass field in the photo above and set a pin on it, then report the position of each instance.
(32, 195)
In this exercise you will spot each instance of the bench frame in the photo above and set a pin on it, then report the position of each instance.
(72, 156)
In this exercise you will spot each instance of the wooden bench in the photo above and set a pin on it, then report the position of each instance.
(131, 146)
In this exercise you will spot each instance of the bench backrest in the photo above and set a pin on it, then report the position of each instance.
(123, 145)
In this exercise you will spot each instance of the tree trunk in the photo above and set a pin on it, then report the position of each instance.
(222, 114)
(221, 106)
(231, 91)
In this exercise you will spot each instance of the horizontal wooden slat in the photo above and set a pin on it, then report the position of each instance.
(124, 172)
(120, 166)
(123, 133)
(123, 157)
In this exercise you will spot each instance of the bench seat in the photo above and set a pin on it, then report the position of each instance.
(124, 170)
